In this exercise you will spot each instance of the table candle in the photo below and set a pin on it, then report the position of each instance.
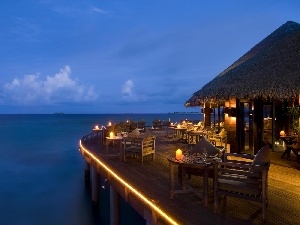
(111, 135)
(178, 154)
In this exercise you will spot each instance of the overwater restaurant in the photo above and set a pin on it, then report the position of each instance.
(257, 96)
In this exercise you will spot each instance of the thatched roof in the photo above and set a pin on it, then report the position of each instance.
(271, 69)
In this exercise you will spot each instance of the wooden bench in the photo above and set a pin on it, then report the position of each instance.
(139, 147)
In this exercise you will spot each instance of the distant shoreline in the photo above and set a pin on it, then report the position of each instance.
(184, 113)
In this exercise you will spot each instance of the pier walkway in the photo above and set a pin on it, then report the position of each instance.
(152, 179)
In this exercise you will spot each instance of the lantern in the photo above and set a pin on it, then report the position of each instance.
(282, 133)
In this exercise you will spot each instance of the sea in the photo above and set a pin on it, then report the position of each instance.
(42, 171)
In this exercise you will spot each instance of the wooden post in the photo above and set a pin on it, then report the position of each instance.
(219, 117)
(273, 125)
(258, 127)
(95, 186)
(298, 138)
(207, 112)
(114, 206)
(230, 126)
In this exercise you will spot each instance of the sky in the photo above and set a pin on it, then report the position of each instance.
(124, 56)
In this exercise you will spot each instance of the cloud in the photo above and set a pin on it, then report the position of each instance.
(60, 88)
(98, 10)
(77, 8)
(129, 94)
(127, 88)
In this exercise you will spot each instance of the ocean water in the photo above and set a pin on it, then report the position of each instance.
(42, 171)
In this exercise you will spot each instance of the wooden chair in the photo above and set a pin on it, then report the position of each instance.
(141, 125)
(220, 137)
(243, 176)
(139, 147)
(133, 125)
(165, 124)
(157, 124)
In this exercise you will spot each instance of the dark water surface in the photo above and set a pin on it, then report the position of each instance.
(42, 172)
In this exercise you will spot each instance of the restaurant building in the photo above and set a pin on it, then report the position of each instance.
(258, 95)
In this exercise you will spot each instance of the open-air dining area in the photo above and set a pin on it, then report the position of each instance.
(183, 185)
(239, 165)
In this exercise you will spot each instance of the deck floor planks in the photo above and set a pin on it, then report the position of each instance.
(152, 179)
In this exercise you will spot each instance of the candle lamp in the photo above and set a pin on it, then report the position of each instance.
(111, 135)
(179, 154)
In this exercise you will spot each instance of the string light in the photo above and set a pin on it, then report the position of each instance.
(130, 187)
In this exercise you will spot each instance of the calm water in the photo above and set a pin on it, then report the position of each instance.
(42, 172)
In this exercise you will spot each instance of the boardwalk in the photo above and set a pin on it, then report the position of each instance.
(152, 179)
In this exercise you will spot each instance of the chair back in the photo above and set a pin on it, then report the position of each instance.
(205, 144)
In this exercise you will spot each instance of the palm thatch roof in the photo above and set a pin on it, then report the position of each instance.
(271, 69)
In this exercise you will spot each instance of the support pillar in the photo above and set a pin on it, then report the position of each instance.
(207, 117)
(273, 126)
(219, 118)
(95, 186)
(151, 217)
(258, 127)
(87, 173)
(114, 206)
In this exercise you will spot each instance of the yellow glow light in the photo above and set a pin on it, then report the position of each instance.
(131, 188)
(111, 135)
(178, 154)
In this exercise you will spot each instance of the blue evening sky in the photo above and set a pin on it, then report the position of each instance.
(124, 56)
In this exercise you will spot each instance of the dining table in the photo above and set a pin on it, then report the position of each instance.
(183, 164)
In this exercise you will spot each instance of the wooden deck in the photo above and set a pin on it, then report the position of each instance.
(152, 179)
